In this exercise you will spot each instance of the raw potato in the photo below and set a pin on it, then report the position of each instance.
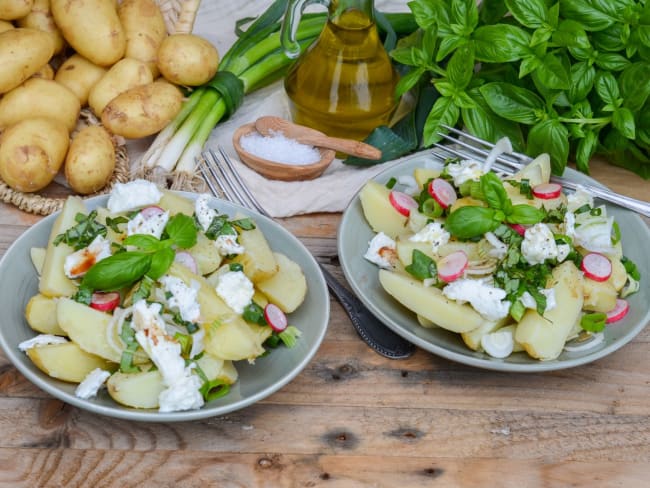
(543, 337)
(287, 288)
(430, 303)
(379, 212)
(187, 59)
(31, 153)
(41, 18)
(92, 28)
(15, 9)
(40, 314)
(22, 53)
(143, 110)
(5, 25)
(123, 75)
(79, 75)
(53, 281)
(90, 161)
(45, 73)
(144, 27)
(40, 98)
(66, 362)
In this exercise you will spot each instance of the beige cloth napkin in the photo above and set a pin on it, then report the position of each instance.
(331, 192)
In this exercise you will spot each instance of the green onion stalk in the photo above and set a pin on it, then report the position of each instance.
(255, 60)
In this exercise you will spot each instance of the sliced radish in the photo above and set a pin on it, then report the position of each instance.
(620, 310)
(275, 317)
(596, 266)
(452, 266)
(187, 260)
(151, 211)
(442, 191)
(547, 191)
(402, 202)
(105, 302)
(518, 228)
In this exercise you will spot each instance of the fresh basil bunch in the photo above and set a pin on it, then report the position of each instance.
(570, 78)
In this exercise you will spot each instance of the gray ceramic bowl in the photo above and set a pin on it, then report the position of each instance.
(354, 234)
(20, 282)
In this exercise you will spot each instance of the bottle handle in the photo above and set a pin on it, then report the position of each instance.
(290, 25)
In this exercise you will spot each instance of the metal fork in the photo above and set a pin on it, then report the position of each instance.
(512, 162)
(224, 180)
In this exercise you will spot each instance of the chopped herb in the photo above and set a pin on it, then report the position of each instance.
(186, 343)
(391, 183)
(584, 208)
(84, 295)
(524, 187)
(142, 289)
(630, 268)
(422, 266)
(254, 314)
(127, 334)
(244, 224)
(289, 336)
(593, 322)
(236, 267)
(83, 233)
(114, 223)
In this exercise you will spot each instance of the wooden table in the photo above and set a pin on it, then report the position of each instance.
(353, 418)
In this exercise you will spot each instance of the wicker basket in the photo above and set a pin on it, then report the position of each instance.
(179, 17)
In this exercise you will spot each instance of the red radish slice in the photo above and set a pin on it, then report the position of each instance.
(518, 228)
(402, 202)
(151, 211)
(105, 302)
(275, 317)
(442, 191)
(620, 310)
(547, 191)
(187, 260)
(596, 266)
(452, 266)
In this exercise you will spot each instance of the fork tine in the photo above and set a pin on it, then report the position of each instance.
(503, 159)
(516, 155)
(242, 185)
(207, 170)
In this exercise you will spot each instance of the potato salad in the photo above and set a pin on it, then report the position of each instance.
(509, 263)
(156, 296)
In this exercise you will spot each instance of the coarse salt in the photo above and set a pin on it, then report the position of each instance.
(276, 147)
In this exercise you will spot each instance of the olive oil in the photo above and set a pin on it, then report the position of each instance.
(344, 84)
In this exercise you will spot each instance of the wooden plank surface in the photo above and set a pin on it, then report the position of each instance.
(353, 418)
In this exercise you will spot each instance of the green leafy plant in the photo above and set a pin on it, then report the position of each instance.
(570, 78)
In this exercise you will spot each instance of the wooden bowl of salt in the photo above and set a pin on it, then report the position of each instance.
(278, 157)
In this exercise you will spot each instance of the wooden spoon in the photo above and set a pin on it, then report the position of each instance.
(268, 124)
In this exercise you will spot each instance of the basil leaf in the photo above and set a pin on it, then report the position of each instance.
(493, 191)
(525, 214)
(500, 43)
(582, 80)
(607, 88)
(593, 16)
(444, 111)
(551, 137)
(83, 233)
(634, 93)
(181, 231)
(422, 266)
(461, 67)
(117, 271)
(531, 13)
(468, 222)
(254, 314)
(623, 121)
(160, 262)
(512, 102)
(552, 74)
(244, 224)
(144, 242)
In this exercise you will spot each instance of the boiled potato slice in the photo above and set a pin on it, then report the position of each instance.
(405, 247)
(53, 281)
(138, 390)
(599, 296)
(66, 362)
(174, 203)
(543, 337)
(430, 303)
(379, 212)
(288, 287)
(217, 369)
(37, 255)
(89, 328)
(423, 175)
(40, 314)
(233, 338)
(206, 254)
(619, 275)
(257, 259)
(472, 339)
(212, 306)
(536, 172)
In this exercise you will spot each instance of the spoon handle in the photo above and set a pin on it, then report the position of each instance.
(347, 146)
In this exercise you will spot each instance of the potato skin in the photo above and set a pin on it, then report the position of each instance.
(187, 59)
(79, 75)
(22, 53)
(46, 73)
(92, 28)
(15, 9)
(5, 25)
(144, 27)
(123, 75)
(90, 161)
(40, 17)
(143, 110)
(40, 98)
(31, 153)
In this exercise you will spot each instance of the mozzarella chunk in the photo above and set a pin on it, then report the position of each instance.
(382, 251)
(433, 233)
(91, 383)
(41, 340)
(153, 226)
(132, 195)
(183, 297)
(204, 213)
(539, 244)
(486, 299)
(79, 262)
(235, 289)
